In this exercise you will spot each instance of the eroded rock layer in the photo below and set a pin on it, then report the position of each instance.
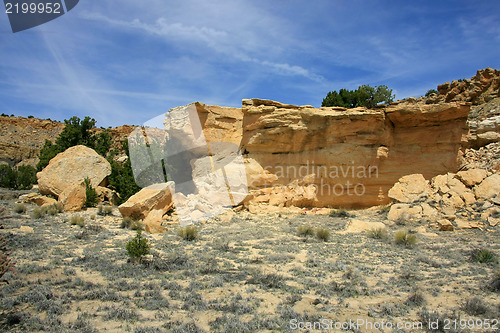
(352, 157)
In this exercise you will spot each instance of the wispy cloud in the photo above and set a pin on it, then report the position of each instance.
(219, 41)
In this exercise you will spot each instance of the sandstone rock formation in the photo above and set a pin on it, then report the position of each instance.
(481, 88)
(155, 197)
(353, 157)
(71, 167)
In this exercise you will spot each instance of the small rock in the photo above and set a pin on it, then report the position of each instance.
(26, 229)
(463, 224)
(357, 226)
(445, 225)
(472, 177)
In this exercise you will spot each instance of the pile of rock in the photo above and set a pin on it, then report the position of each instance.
(466, 199)
(487, 157)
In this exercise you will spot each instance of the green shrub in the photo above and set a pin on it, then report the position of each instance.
(430, 92)
(59, 207)
(340, 213)
(21, 178)
(305, 230)
(122, 177)
(475, 306)
(92, 198)
(103, 143)
(130, 223)
(37, 213)
(323, 234)
(377, 233)
(188, 233)
(104, 210)
(138, 246)
(77, 220)
(20, 208)
(483, 256)
(51, 210)
(403, 237)
(416, 299)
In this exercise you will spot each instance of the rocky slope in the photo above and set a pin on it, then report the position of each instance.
(22, 138)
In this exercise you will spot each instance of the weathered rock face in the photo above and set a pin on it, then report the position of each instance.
(353, 157)
(73, 197)
(22, 138)
(481, 88)
(71, 167)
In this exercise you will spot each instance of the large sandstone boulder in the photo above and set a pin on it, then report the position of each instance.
(71, 167)
(154, 197)
(472, 177)
(488, 188)
(410, 188)
(73, 197)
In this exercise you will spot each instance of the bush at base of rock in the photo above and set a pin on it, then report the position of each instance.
(188, 233)
(130, 223)
(403, 237)
(53, 209)
(77, 220)
(90, 194)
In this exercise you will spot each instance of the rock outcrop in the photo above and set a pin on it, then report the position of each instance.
(481, 88)
(352, 157)
(71, 167)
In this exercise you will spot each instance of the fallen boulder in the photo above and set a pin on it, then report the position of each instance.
(154, 197)
(38, 199)
(73, 197)
(410, 188)
(73, 166)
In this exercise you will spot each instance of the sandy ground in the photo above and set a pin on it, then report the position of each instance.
(246, 273)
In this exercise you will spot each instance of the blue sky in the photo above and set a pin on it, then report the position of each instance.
(124, 62)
